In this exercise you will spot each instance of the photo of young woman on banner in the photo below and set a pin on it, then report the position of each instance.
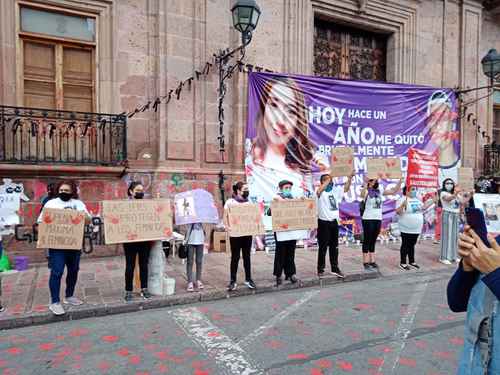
(294, 123)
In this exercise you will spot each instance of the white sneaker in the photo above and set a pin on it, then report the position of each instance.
(57, 309)
(73, 301)
(445, 261)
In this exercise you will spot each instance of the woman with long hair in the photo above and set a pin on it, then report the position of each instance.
(450, 203)
(133, 250)
(240, 244)
(67, 198)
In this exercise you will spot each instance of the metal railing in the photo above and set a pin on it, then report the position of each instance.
(492, 160)
(32, 135)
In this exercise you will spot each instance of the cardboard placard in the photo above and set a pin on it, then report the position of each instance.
(294, 214)
(61, 229)
(136, 220)
(466, 179)
(245, 220)
(342, 163)
(384, 168)
(422, 169)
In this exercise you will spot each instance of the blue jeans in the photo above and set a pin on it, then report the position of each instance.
(57, 260)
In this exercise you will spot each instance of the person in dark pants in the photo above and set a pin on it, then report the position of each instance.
(410, 210)
(134, 249)
(284, 257)
(58, 259)
(329, 198)
(372, 194)
(241, 244)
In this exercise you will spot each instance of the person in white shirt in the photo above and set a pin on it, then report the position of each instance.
(411, 220)
(67, 198)
(450, 201)
(373, 196)
(195, 241)
(329, 197)
(286, 241)
(242, 244)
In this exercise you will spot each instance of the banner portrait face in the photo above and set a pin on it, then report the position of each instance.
(295, 121)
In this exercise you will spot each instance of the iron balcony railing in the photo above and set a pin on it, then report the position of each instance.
(32, 135)
(491, 160)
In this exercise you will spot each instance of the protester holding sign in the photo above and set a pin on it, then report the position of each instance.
(284, 257)
(58, 259)
(239, 244)
(136, 249)
(449, 222)
(329, 198)
(373, 194)
(411, 220)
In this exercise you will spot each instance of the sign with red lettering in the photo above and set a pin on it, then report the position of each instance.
(422, 169)
(61, 229)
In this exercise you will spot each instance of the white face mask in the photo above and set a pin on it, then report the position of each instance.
(448, 187)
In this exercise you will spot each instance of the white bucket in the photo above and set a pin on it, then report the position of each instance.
(168, 286)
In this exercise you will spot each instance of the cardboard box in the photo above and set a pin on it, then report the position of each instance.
(219, 244)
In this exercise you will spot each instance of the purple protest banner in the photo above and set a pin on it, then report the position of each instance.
(195, 206)
(295, 121)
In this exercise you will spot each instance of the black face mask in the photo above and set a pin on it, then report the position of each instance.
(65, 196)
(375, 185)
(139, 195)
(245, 194)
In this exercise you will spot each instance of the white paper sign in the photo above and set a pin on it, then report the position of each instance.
(490, 205)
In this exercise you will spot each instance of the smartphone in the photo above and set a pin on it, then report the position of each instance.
(475, 219)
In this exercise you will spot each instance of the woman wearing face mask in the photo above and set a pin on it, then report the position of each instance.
(284, 257)
(411, 220)
(241, 244)
(372, 193)
(134, 249)
(449, 223)
(67, 198)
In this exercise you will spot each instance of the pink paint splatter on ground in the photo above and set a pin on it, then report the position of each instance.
(445, 355)
(458, 341)
(85, 347)
(134, 360)
(213, 334)
(104, 366)
(324, 363)
(421, 344)
(161, 368)
(316, 371)
(79, 332)
(429, 323)
(376, 362)
(190, 353)
(355, 336)
(298, 356)
(110, 339)
(162, 356)
(377, 330)
(344, 365)
(363, 307)
(3, 363)
(201, 372)
(410, 362)
(47, 346)
(60, 338)
(123, 352)
(14, 351)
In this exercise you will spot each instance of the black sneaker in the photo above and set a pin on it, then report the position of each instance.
(279, 281)
(250, 284)
(367, 266)
(337, 272)
(145, 294)
(415, 265)
(2, 309)
(232, 286)
(373, 265)
(404, 267)
(128, 296)
(293, 279)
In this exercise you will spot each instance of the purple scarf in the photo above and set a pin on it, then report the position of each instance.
(239, 199)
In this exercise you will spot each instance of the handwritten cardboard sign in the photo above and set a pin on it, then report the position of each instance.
(245, 220)
(136, 220)
(294, 214)
(342, 163)
(384, 168)
(61, 229)
(466, 179)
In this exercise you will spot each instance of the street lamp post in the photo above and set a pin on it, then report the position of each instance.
(245, 16)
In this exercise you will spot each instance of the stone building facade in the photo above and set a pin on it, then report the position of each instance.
(138, 50)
